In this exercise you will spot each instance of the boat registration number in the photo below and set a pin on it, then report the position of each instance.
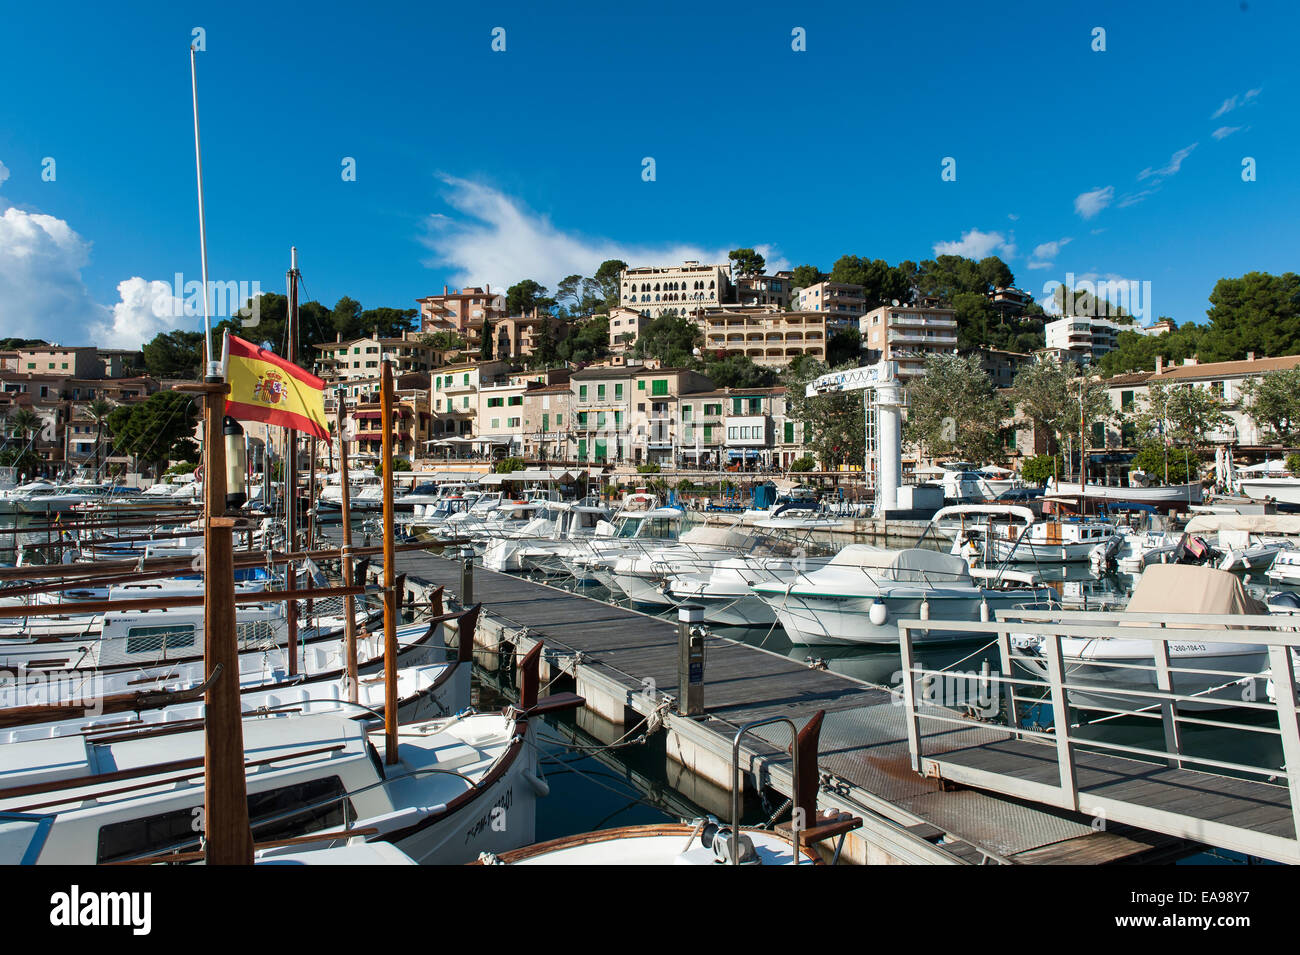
(1186, 648)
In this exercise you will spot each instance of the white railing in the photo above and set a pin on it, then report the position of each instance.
(1247, 697)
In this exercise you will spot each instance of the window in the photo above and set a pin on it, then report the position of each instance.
(582, 392)
(1126, 400)
(618, 391)
(515, 400)
(640, 385)
(496, 423)
(559, 420)
(686, 412)
(789, 432)
(512, 422)
(155, 640)
(324, 805)
(708, 433)
(600, 392)
(659, 386)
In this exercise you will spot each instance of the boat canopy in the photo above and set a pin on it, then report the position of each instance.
(1186, 588)
(1284, 524)
(1006, 510)
(717, 537)
(911, 564)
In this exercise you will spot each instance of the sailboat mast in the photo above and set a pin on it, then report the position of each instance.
(291, 472)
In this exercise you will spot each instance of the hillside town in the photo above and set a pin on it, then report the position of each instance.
(697, 369)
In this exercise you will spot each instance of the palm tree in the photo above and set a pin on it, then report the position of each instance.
(98, 410)
(25, 422)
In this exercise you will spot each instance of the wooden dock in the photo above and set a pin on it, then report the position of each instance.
(624, 663)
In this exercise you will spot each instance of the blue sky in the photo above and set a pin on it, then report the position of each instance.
(478, 166)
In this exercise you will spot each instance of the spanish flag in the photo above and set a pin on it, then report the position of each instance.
(264, 387)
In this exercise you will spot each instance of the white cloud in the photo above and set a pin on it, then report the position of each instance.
(1232, 102)
(1223, 132)
(41, 290)
(1133, 198)
(143, 310)
(976, 245)
(1175, 163)
(4, 173)
(498, 241)
(1044, 254)
(1088, 204)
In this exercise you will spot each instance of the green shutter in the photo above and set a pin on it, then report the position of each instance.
(582, 392)
(789, 432)
(640, 385)
(546, 423)
(660, 387)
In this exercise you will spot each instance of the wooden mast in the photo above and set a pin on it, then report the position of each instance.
(229, 840)
(291, 471)
(349, 604)
(390, 603)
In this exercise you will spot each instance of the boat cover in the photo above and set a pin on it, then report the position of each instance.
(911, 564)
(1185, 588)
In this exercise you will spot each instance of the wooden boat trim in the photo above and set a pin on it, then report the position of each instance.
(680, 830)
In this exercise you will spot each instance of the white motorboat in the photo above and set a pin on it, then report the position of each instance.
(630, 532)
(543, 545)
(1217, 674)
(640, 573)
(1052, 541)
(1284, 490)
(862, 592)
(1167, 495)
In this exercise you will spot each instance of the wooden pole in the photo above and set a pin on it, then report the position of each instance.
(349, 604)
(390, 608)
(229, 840)
(291, 472)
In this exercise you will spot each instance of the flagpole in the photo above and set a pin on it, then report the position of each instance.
(213, 368)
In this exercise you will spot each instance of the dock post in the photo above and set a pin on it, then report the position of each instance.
(690, 660)
(467, 577)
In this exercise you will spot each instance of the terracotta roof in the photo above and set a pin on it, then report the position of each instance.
(1132, 378)
(1228, 369)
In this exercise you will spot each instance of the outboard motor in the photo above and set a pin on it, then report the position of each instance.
(1195, 551)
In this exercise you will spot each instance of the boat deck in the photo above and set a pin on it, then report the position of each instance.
(864, 750)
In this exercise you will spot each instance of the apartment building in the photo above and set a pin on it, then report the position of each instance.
(74, 362)
(653, 290)
(625, 327)
(1227, 380)
(1083, 335)
(412, 420)
(548, 423)
(518, 335)
(454, 395)
(360, 358)
(1002, 366)
(725, 427)
(764, 289)
(462, 312)
(766, 334)
(840, 299)
(627, 413)
(908, 333)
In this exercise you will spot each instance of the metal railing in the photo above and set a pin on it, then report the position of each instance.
(1203, 675)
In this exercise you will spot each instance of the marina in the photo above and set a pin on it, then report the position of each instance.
(406, 499)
